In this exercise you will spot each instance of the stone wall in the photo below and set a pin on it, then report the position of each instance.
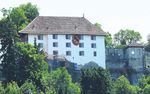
(130, 62)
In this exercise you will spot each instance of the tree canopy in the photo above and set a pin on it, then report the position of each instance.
(60, 82)
(125, 37)
(13, 21)
(20, 16)
(30, 64)
(122, 86)
(108, 40)
(96, 81)
(90, 65)
(147, 46)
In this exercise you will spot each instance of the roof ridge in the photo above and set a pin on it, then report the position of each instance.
(61, 16)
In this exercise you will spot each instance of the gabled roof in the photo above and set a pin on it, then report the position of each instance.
(61, 25)
(135, 44)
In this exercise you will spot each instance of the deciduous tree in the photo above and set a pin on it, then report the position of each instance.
(13, 21)
(59, 82)
(147, 47)
(12, 88)
(96, 81)
(31, 65)
(28, 88)
(125, 37)
(108, 40)
(122, 86)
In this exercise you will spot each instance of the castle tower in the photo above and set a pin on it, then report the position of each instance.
(135, 56)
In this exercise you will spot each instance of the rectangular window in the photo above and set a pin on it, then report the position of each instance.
(81, 45)
(68, 44)
(55, 36)
(81, 53)
(68, 53)
(68, 37)
(93, 45)
(40, 37)
(55, 44)
(94, 53)
(40, 45)
(93, 37)
(55, 52)
(81, 37)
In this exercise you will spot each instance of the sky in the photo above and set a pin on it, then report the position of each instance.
(113, 15)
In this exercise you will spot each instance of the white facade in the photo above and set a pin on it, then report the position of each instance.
(74, 55)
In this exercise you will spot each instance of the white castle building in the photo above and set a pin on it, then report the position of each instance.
(75, 38)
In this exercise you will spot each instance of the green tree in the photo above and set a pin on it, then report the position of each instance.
(98, 25)
(28, 88)
(8, 37)
(90, 65)
(12, 88)
(96, 81)
(146, 89)
(147, 47)
(144, 84)
(13, 21)
(108, 40)
(31, 65)
(22, 15)
(125, 37)
(30, 11)
(2, 91)
(60, 82)
(122, 86)
(73, 88)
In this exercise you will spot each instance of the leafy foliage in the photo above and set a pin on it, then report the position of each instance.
(108, 40)
(122, 86)
(22, 15)
(90, 65)
(2, 91)
(12, 88)
(147, 47)
(144, 84)
(30, 63)
(28, 88)
(146, 89)
(96, 81)
(125, 37)
(60, 82)
(8, 38)
(13, 21)
(98, 25)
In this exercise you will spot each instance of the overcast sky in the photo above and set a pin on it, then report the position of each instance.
(113, 15)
